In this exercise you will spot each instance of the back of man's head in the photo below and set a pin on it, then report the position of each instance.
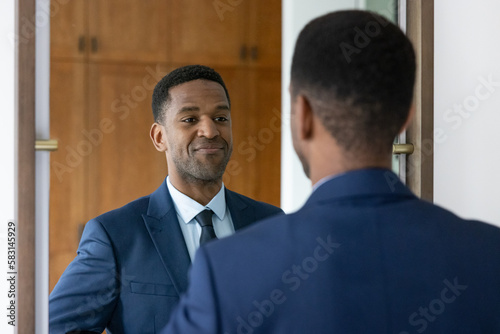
(179, 76)
(357, 70)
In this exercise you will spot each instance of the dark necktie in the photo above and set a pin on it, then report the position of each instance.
(204, 218)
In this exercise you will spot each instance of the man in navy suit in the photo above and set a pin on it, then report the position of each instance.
(364, 254)
(132, 262)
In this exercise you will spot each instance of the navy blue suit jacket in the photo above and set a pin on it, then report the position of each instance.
(132, 265)
(363, 255)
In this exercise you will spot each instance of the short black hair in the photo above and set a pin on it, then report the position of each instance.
(358, 71)
(179, 76)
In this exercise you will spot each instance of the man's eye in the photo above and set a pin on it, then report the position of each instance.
(221, 119)
(188, 120)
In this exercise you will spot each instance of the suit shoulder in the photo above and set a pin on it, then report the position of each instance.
(455, 222)
(125, 213)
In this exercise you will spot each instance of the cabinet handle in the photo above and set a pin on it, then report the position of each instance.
(243, 52)
(93, 44)
(81, 43)
(254, 53)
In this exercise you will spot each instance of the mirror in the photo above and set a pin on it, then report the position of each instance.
(106, 59)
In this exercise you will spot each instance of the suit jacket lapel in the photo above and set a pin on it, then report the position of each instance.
(163, 226)
(241, 214)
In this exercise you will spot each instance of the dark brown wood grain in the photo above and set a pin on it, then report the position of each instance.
(420, 164)
(26, 166)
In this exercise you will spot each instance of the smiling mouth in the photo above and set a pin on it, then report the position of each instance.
(209, 147)
(209, 150)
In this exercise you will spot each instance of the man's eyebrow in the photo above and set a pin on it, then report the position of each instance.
(188, 109)
(222, 107)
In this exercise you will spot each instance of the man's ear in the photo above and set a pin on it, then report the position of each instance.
(158, 136)
(304, 117)
(411, 113)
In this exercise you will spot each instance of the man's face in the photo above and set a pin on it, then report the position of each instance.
(197, 121)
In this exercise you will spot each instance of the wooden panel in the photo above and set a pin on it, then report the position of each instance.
(25, 210)
(132, 31)
(237, 176)
(68, 24)
(68, 165)
(254, 169)
(209, 32)
(265, 33)
(420, 166)
(266, 116)
(124, 164)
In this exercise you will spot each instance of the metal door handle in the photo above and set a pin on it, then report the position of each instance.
(402, 148)
(46, 145)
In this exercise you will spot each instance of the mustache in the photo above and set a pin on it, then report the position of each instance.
(209, 143)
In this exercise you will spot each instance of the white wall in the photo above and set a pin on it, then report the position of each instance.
(7, 166)
(467, 107)
(295, 187)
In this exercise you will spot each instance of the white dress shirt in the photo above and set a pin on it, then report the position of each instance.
(187, 208)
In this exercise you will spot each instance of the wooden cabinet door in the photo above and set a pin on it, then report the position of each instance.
(124, 164)
(209, 32)
(237, 172)
(68, 29)
(68, 165)
(254, 169)
(135, 30)
(265, 33)
(266, 128)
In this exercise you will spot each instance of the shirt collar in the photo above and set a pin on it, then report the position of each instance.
(187, 208)
(326, 179)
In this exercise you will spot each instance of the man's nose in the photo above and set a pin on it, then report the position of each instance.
(207, 128)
